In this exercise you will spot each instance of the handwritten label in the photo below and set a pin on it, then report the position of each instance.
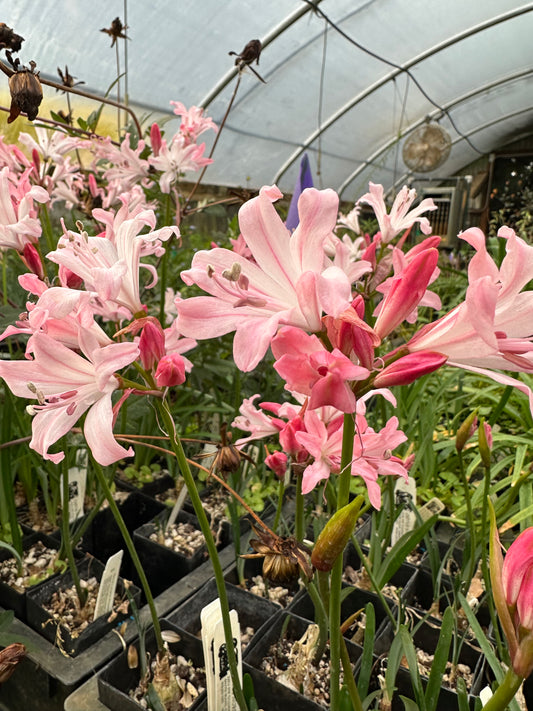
(218, 676)
(433, 506)
(77, 481)
(108, 585)
(404, 495)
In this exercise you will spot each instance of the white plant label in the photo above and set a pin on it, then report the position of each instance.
(433, 506)
(404, 494)
(77, 481)
(218, 677)
(108, 585)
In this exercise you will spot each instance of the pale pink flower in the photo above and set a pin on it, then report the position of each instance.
(308, 368)
(400, 218)
(66, 385)
(290, 282)
(109, 266)
(50, 145)
(18, 217)
(178, 158)
(255, 421)
(123, 166)
(193, 121)
(491, 329)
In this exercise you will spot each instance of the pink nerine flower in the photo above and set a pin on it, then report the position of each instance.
(66, 385)
(289, 283)
(109, 266)
(193, 121)
(18, 217)
(308, 368)
(492, 327)
(400, 218)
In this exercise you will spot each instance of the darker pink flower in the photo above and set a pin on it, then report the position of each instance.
(170, 370)
(308, 368)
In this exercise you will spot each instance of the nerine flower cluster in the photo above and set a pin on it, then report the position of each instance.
(324, 305)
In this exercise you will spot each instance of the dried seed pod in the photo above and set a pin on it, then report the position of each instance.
(9, 658)
(133, 657)
(26, 93)
(8, 39)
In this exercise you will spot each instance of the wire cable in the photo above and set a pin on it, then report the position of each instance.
(380, 58)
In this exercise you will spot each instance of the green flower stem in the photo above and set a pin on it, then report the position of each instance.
(349, 678)
(4, 279)
(343, 494)
(164, 263)
(168, 424)
(469, 518)
(505, 693)
(66, 543)
(279, 507)
(299, 510)
(47, 227)
(131, 549)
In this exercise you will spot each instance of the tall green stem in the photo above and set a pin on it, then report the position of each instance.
(66, 543)
(343, 494)
(177, 447)
(299, 509)
(131, 549)
(504, 693)
(470, 519)
(47, 227)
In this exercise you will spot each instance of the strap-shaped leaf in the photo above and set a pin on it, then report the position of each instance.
(440, 659)
(368, 646)
(396, 556)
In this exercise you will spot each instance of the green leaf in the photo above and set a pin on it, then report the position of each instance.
(439, 660)
(345, 702)
(462, 695)
(409, 704)
(154, 701)
(368, 648)
(412, 662)
(13, 552)
(396, 556)
(486, 646)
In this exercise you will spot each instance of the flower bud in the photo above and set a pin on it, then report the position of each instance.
(278, 463)
(465, 431)
(155, 139)
(484, 434)
(512, 588)
(333, 538)
(32, 259)
(407, 369)
(151, 344)
(170, 371)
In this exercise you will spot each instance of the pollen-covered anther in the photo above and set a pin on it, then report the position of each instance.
(210, 271)
(234, 273)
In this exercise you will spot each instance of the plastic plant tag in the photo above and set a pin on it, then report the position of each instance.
(218, 677)
(404, 494)
(177, 506)
(77, 479)
(485, 694)
(108, 585)
(432, 507)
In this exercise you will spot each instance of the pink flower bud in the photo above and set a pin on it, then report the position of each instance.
(407, 369)
(155, 139)
(31, 258)
(69, 279)
(170, 371)
(278, 463)
(151, 344)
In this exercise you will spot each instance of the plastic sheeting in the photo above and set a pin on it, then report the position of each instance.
(347, 95)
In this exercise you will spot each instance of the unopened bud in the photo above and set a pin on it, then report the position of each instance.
(278, 463)
(335, 535)
(151, 344)
(170, 371)
(465, 431)
(484, 434)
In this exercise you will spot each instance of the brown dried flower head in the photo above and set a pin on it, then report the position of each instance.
(26, 91)
(9, 658)
(284, 558)
(116, 31)
(8, 39)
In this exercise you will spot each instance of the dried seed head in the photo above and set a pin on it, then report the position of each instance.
(9, 658)
(284, 558)
(8, 39)
(26, 93)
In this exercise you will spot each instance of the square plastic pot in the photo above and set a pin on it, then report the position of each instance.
(42, 621)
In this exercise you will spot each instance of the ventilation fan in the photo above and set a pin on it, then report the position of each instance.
(427, 148)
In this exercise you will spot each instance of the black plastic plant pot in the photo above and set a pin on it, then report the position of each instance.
(12, 598)
(253, 612)
(272, 695)
(163, 566)
(103, 537)
(253, 567)
(425, 639)
(117, 680)
(421, 594)
(291, 627)
(399, 580)
(355, 602)
(56, 632)
(160, 482)
(220, 524)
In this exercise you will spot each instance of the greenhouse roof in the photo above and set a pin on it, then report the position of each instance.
(347, 81)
